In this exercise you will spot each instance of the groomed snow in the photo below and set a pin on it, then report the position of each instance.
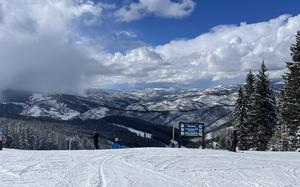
(148, 167)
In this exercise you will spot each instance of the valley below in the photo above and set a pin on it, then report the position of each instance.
(139, 118)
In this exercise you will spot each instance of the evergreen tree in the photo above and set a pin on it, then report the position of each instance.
(290, 110)
(263, 113)
(249, 87)
(276, 143)
(250, 129)
(239, 114)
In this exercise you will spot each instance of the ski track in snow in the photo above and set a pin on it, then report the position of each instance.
(102, 175)
(150, 167)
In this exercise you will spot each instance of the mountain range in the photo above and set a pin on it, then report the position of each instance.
(141, 112)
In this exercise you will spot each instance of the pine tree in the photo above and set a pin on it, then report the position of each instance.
(263, 113)
(249, 97)
(249, 87)
(239, 114)
(290, 110)
(276, 142)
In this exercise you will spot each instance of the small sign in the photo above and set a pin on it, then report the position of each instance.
(191, 129)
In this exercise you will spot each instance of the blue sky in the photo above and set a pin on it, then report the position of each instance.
(210, 13)
(72, 45)
(207, 14)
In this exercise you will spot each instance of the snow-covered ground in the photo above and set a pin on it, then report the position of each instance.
(148, 167)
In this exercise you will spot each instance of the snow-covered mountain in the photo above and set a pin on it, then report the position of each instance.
(158, 106)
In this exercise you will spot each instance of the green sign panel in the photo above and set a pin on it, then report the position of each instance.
(191, 129)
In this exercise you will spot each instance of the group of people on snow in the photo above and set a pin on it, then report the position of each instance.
(115, 144)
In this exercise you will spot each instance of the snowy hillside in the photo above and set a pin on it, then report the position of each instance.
(160, 106)
(148, 167)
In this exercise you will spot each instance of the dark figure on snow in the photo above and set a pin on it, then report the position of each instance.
(96, 137)
(116, 144)
(234, 141)
(1, 139)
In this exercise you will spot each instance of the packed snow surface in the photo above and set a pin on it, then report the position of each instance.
(148, 167)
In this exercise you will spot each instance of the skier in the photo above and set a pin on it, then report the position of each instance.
(116, 144)
(234, 141)
(96, 137)
(1, 139)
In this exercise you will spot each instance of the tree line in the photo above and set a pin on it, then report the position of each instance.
(31, 134)
(265, 120)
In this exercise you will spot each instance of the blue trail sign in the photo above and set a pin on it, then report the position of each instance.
(191, 129)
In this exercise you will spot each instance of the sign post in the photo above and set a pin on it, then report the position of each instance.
(69, 143)
(192, 130)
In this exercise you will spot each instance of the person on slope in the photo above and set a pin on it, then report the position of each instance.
(96, 139)
(116, 144)
(1, 139)
(234, 141)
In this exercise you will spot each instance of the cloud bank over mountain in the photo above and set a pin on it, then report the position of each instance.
(43, 47)
(226, 52)
(38, 43)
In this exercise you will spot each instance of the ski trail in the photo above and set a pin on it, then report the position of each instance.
(6, 172)
(246, 177)
(294, 175)
(167, 163)
(295, 172)
(156, 173)
(149, 167)
(63, 178)
(285, 173)
(102, 175)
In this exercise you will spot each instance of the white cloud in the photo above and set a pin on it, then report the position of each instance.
(127, 34)
(42, 48)
(225, 52)
(160, 8)
(37, 49)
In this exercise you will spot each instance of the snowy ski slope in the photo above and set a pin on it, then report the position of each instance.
(148, 167)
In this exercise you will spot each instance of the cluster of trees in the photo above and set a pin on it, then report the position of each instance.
(255, 114)
(31, 134)
(263, 121)
(48, 134)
